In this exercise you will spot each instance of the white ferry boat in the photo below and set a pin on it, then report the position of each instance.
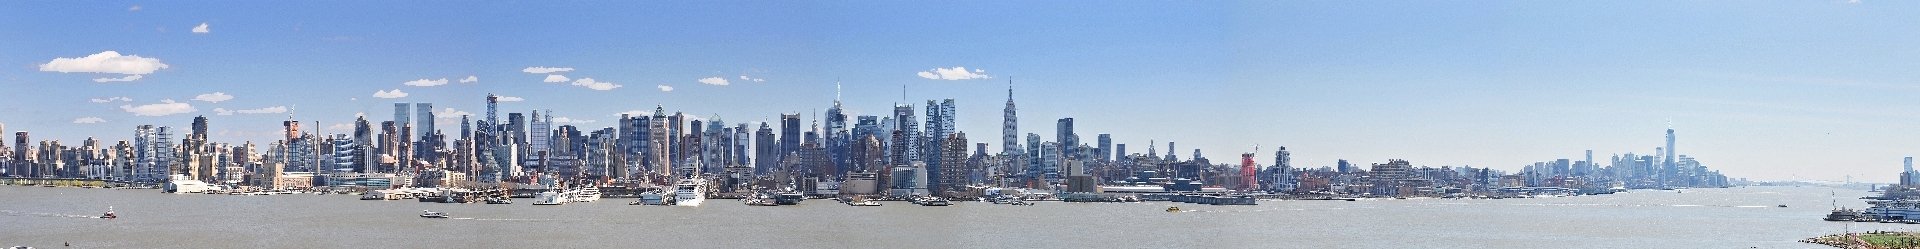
(588, 194)
(690, 192)
(552, 197)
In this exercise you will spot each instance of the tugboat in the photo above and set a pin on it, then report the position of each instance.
(433, 215)
(1173, 209)
(109, 214)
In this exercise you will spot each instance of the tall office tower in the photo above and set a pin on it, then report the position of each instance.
(676, 132)
(516, 128)
(1669, 155)
(1063, 133)
(466, 128)
(658, 138)
(1909, 164)
(20, 151)
(401, 114)
(1590, 167)
(1283, 169)
(363, 139)
(426, 126)
(492, 120)
(765, 149)
(1033, 157)
(540, 134)
(200, 127)
(789, 135)
(1150, 149)
(910, 145)
(629, 137)
(389, 150)
(164, 152)
(742, 139)
(1170, 150)
(951, 178)
(837, 138)
(1120, 151)
(866, 126)
(864, 151)
(1105, 151)
(1009, 126)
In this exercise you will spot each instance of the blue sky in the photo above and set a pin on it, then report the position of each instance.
(1765, 90)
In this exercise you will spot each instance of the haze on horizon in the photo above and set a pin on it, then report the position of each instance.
(1760, 90)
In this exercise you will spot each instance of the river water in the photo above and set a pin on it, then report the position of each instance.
(1695, 218)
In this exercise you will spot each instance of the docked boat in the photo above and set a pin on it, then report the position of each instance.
(432, 215)
(551, 197)
(651, 198)
(109, 214)
(1842, 215)
(499, 200)
(864, 203)
(690, 192)
(759, 200)
(588, 194)
(933, 201)
(789, 198)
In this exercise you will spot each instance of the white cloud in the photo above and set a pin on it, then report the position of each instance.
(449, 115)
(120, 79)
(134, 8)
(635, 113)
(716, 81)
(747, 79)
(276, 109)
(340, 127)
(110, 99)
(556, 78)
(389, 94)
(470, 79)
(267, 110)
(546, 69)
(569, 120)
(214, 97)
(955, 73)
(106, 62)
(427, 82)
(166, 107)
(665, 88)
(509, 99)
(596, 85)
(89, 120)
(202, 29)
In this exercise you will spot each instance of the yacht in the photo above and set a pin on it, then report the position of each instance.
(552, 197)
(690, 192)
(433, 215)
(588, 194)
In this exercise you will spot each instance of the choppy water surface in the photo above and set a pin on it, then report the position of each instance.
(1696, 218)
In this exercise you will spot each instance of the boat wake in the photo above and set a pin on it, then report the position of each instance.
(36, 214)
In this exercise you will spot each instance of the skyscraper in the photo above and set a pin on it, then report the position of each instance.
(765, 149)
(401, 113)
(1064, 135)
(908, 135)
(1105, 150)
(426, 125)
(1669, 154)
(1009, 126)
(789, 135)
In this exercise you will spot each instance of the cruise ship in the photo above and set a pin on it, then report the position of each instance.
(588, 194)
(552, 197)
(690, 192)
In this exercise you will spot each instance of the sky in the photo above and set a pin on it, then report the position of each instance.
(1808, 90)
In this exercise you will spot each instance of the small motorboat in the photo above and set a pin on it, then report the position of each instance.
(432, 214)
(497, 200)
(109, 214)
(1173, 209)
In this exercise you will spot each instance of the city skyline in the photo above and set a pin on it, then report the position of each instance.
(1204, 80)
